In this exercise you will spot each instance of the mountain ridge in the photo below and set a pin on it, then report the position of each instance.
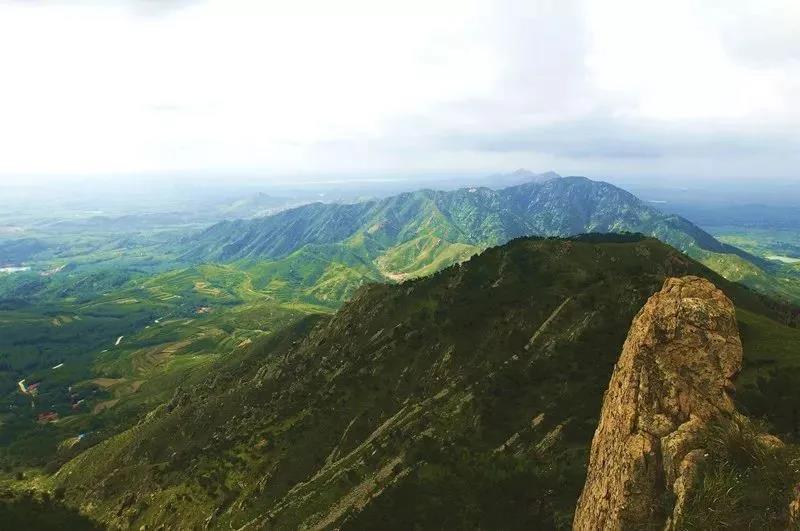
(385, 239)
(470, 394)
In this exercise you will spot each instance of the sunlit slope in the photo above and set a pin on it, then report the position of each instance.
(414, 234)
(471, 395)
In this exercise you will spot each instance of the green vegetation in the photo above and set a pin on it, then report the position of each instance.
(780, 247)
(236, 396)
(445, 393)
(455, 477)
(415, 234)
(748, 483)
(40, 511)
(762, 241)
(173, 325)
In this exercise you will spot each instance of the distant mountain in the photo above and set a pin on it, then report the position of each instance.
(463, 400)
(514, 178)
(417, 233)
(250, 206)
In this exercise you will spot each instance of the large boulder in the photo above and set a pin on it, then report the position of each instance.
(673, 380)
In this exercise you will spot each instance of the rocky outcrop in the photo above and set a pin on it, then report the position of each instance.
(671, 382)
(794, 509)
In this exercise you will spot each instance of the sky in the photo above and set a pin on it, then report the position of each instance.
(640, 89)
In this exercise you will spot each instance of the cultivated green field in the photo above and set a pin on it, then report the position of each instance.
(103, 356)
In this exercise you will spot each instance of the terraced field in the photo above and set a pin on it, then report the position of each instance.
(123, 353)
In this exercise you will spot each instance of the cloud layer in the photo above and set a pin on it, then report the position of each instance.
(617, 87)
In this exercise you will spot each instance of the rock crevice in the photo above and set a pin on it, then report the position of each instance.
(672, 381)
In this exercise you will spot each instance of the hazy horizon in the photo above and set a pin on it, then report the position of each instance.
(625, 91)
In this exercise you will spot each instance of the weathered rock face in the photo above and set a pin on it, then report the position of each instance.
(794, 509)
(672, 380)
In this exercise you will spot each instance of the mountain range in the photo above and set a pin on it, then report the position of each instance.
(326, 250)
(469, 395)
(332, 365)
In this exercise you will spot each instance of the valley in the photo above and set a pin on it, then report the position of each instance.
(345, 420)
(144, 340)
(280, 265)
(108, 336)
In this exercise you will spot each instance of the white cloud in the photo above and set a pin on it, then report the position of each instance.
(668, 61)
(316, 86)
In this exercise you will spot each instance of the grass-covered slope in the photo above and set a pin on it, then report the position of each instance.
(465, 399)
(414, 234)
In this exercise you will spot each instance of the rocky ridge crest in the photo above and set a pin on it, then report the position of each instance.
(673, 380)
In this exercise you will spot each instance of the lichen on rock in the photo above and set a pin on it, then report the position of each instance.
(794, 509)
(672, 381)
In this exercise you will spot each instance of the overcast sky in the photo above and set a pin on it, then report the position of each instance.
(637, 88)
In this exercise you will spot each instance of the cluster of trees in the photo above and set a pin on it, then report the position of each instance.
(30, 510)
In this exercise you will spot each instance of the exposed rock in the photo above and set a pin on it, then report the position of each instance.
(672, 380)
(770, 441)
(794, 509)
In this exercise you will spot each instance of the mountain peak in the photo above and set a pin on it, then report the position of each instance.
(525, 171)
(528, 175)
(517, 177)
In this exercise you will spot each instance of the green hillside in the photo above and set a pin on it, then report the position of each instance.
(470, 395)
(103, 360)
(182, 302)
(415, 234)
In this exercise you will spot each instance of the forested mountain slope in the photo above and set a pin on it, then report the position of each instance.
(470, 395)
(326, 250)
